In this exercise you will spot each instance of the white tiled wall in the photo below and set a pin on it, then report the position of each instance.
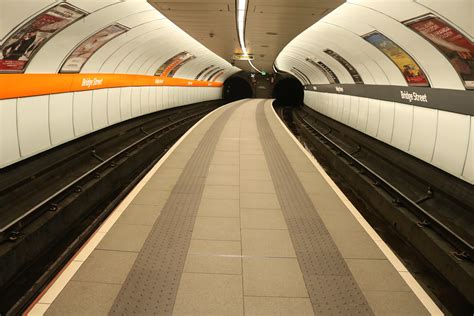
(441, 138)
(34, 124)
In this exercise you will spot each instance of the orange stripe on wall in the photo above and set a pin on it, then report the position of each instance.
(27, 85)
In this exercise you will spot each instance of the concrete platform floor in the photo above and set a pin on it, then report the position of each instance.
(248, 245)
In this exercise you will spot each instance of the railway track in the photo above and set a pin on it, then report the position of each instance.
(408, 195)
(72, 190)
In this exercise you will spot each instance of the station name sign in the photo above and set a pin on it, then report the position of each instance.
(88, 82)
(242, 57)
(413, 96)
(450, 100)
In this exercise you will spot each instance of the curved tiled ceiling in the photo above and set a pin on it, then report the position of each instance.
(270, 25)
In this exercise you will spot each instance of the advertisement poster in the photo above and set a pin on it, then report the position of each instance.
(330, 75)
(301, 75)
(352, 71)
(409, 68)
(217, 75)
(213, 73)
(455, 46)
(20, 47)
(198, 76)
(86, 49)
(172, 63)
(208, 72)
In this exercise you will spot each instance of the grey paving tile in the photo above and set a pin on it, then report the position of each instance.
(331, 205)
(138, 214)
(376, 275)
(217, 228)
(267, 243)
(125, 237)
(262, 219)
(263, 306)
(343, 222)
(260, 175)
(253, 166)
(209, 294)
(84, 298)
(219, 208)
(231, 170)
(172, 173)
(356, 245)
(219, 192)
(395, 303)
(273, 277)
(219, 179)
(259, 200)
(215, 247)
(252, 159)
(256, 186)
(219, 159)
(213, 264)
(151, 195)
(105, 266)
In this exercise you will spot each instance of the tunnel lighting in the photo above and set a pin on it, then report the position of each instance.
(275, 69)
(241, 8)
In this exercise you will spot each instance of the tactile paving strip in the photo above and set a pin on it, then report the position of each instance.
(152, 283)
(330, 284)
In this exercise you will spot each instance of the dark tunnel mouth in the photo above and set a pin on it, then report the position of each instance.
(288, 92)
(236, 88)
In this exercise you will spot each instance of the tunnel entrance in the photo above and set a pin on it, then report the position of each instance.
(288, 92)
(236, 88)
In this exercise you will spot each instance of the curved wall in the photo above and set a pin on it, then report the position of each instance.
(40, 108)
(439, 127)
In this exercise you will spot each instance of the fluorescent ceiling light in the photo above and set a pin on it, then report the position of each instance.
(241, 7)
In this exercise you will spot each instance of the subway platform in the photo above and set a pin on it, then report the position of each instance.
(236, 219)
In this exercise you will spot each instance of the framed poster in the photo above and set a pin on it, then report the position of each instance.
(457, 48)
(172, 63)
(301, 75)
(217, 75)
(213, 73)
(81, 54)
(413, 74)
(198, 76)
(22, 45)
(352, 71)
(330, 75)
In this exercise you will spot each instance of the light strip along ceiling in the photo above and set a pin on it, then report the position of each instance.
(241, 14)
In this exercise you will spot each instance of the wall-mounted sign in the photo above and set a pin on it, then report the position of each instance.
(455, 46)
(81, 54)
(217, 75)
(301, 75)
(181, 64)
(330, 75)
(449, 100)
(23, 44)
(213, 73)
(409, 68)
(198, 76)
(172, 63)
(242, 57)
(352, 71)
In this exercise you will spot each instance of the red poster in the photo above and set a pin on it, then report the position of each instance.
(455, 46)
(86, 49)
(166, 70)
(407, 65)
(21, 46)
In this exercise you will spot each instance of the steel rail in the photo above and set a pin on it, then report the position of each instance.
(9, 228)
(453, 238)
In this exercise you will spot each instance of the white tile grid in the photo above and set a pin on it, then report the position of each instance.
(424, 298)
(57, 285)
